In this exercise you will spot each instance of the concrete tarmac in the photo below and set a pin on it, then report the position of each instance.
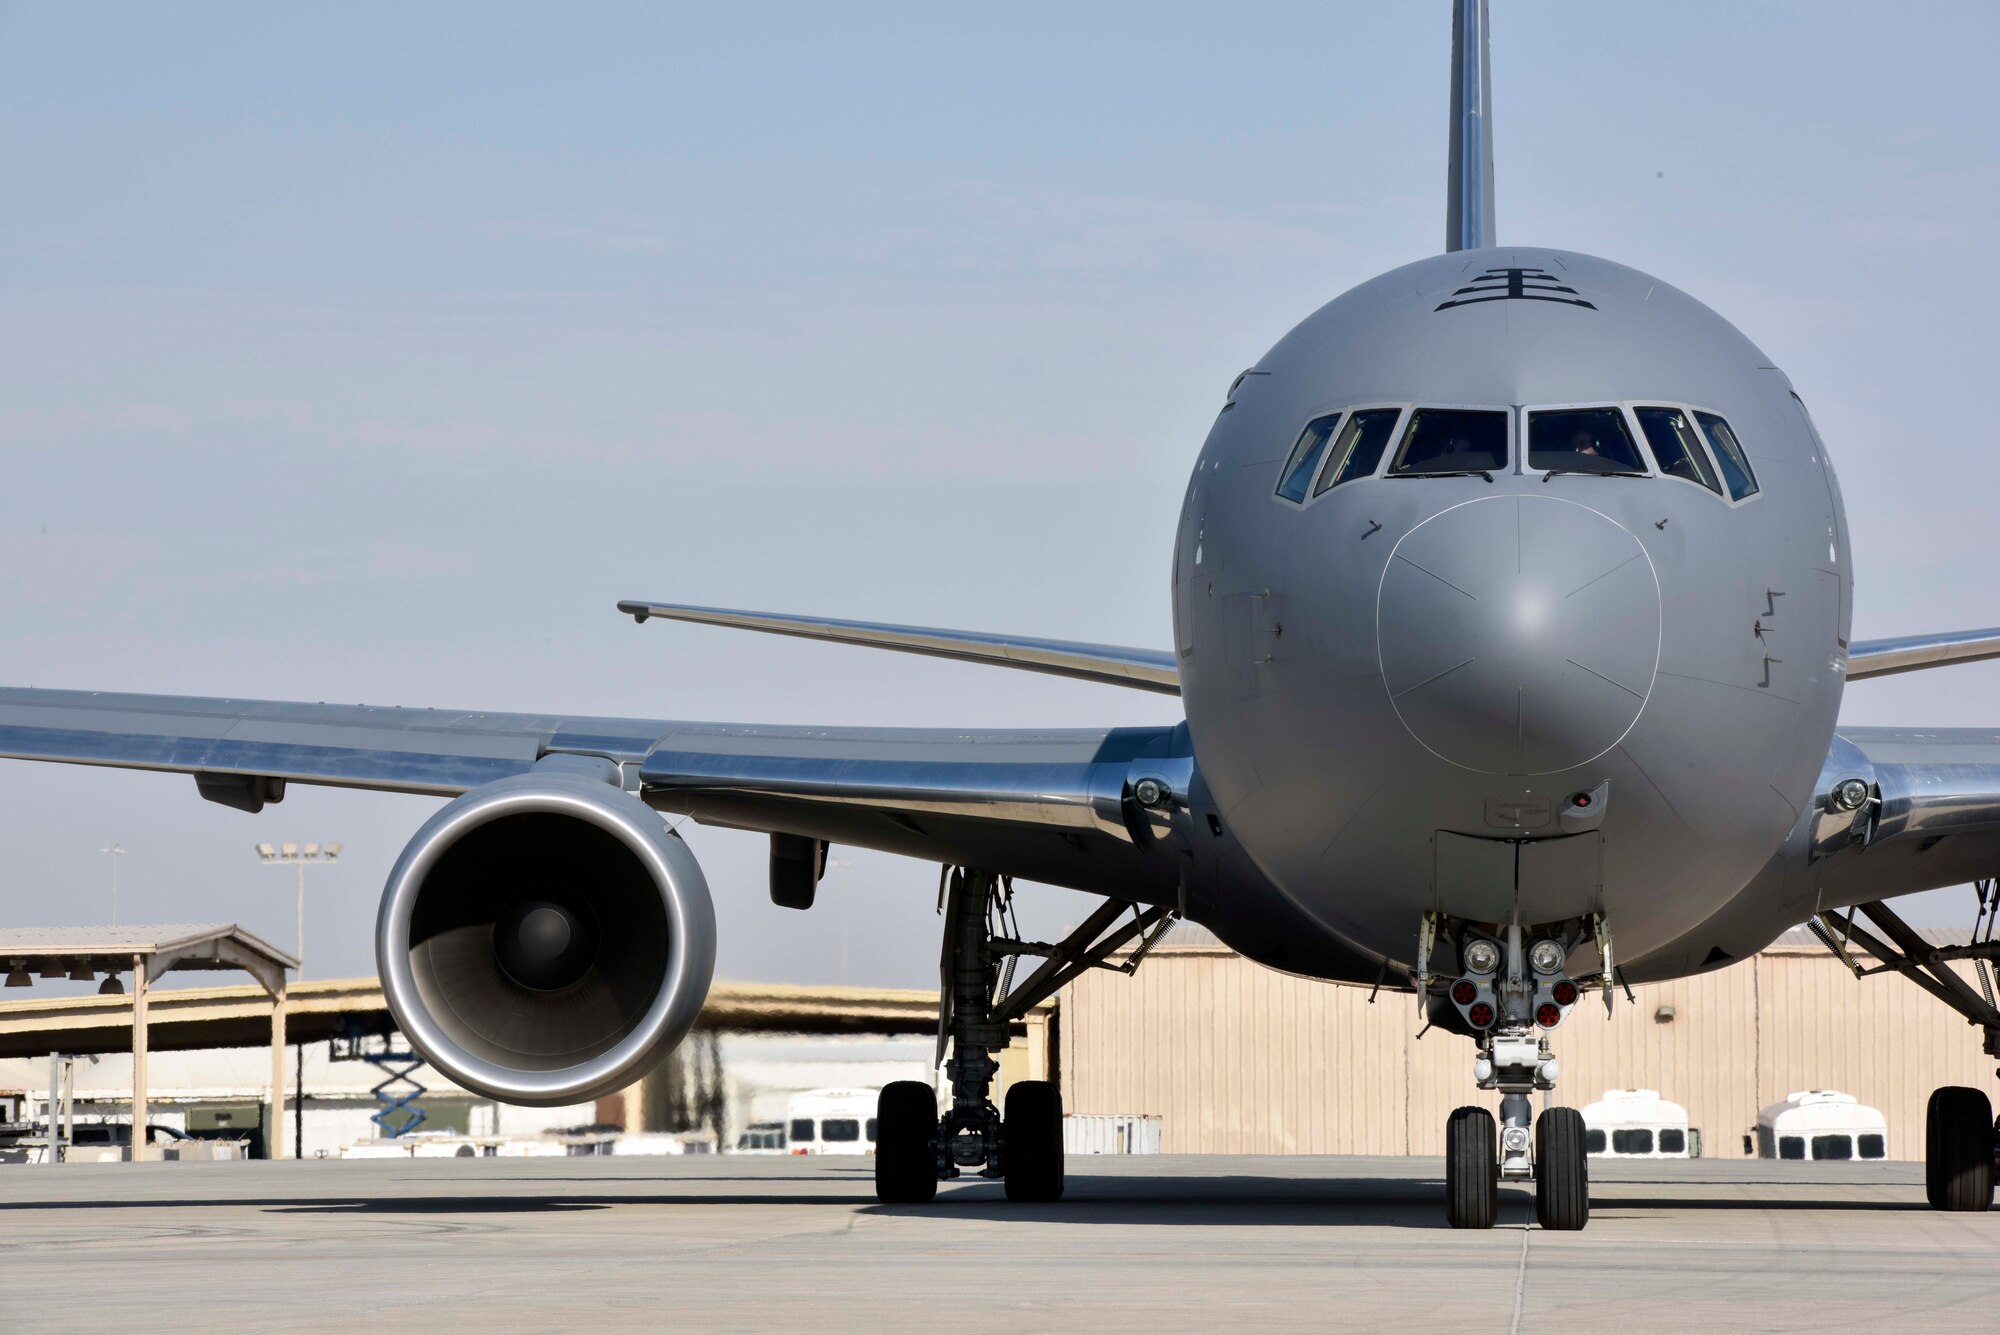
(1150, 1244)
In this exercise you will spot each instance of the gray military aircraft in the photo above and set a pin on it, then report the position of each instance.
(1511, 608)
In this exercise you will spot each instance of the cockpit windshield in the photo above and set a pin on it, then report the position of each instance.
(1359, 447)
(1446, 441)
(1729, 456)
(1676, 447)
(1298, 474)
(1582, 440)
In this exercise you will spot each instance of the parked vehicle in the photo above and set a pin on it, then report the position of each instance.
(831, 1121)
(1821, 1124)
(761, 1138)
(1638, 1124)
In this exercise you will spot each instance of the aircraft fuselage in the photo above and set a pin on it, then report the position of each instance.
(1556, 692)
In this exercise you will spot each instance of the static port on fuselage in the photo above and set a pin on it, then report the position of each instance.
(1491, 530)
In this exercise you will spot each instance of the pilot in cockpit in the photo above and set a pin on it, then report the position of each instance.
(1582, 442)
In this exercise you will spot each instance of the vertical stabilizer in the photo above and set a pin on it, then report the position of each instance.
(1469, 211)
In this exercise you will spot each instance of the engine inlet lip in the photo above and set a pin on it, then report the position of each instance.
(691, 943)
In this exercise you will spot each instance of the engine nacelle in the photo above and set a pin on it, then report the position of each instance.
(544, 938)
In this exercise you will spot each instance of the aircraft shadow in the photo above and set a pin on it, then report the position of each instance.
(1175, 1201)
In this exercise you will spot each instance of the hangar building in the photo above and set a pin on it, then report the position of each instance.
(1238, 1059)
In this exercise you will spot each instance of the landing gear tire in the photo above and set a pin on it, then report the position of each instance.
(1562, 1171)
(1032, 1128)
(1471, 1169)
(1958, 1150)
(906, 1131)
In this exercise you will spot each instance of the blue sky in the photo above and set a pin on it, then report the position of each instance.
(372, 353)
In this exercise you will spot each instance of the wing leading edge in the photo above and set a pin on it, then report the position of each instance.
(1931, 817)
(1109, 664)
(1048, 805)
(1909, 653)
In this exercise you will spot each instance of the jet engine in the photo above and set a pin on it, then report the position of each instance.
(544, 939)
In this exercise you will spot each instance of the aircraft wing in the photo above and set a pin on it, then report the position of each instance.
(1048, 805)
(1908, 653)
(1109, 664)
(1932, 818)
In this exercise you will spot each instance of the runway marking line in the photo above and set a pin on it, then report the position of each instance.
(1520, 1281)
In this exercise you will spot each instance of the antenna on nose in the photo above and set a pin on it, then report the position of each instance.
(1468, 223)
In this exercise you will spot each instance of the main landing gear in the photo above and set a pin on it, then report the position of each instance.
(915, 1148)
(1511, 994)
(1961, 1139)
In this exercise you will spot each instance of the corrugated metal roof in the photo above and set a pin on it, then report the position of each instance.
(132, 939)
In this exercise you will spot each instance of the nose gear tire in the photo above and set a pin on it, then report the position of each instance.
(1958, 1149)
(1562, 1171)
(1032, 1125)
(1471, 1169)
(906, 1132)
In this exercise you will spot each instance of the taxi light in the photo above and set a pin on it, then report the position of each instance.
(1464, 992)
(1481, 1016)
(1481, 956)
(1564, 992)
(1546, 956)
(1548, 1015)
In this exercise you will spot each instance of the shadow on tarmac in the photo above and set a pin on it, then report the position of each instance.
(1370, 1202)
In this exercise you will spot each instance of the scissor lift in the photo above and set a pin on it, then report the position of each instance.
(383, 1048)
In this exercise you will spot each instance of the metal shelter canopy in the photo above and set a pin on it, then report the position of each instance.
(164, 947)
(233, 1016)
(149, 952)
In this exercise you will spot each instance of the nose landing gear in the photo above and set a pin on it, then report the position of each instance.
(1510, 1000)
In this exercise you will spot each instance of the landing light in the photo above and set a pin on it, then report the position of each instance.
(1482, 956)
(1850, 794)
(1546, 956)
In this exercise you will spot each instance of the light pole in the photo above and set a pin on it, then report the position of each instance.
(280, 855)
(116, 851)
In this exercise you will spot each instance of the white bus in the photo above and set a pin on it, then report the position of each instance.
(762, 1138)
(1821, 1124)
(1638, 1124)
(831, 1121)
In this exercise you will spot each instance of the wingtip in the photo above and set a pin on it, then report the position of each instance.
(636, 610)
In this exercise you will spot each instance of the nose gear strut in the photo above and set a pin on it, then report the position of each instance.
(1512, 1003)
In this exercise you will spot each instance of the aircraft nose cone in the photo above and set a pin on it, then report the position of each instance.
(1519, 634)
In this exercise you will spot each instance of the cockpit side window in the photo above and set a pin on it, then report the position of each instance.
(1583, 440)
(1443, 442)
(1298, 474)
(1677, 447)
(1729, 456)
(1358, 448)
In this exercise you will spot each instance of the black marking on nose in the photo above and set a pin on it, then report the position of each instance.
(1514, 285)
